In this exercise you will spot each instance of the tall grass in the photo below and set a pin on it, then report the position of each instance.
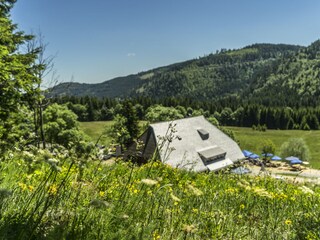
(118, 200)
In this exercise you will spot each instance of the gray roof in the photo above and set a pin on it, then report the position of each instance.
(211, 152)
(179, 143)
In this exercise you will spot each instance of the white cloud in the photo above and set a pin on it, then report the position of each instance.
(131, 55)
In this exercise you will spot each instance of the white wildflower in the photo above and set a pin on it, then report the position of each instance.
(149, 182)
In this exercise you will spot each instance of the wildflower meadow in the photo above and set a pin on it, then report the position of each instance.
(46, 195)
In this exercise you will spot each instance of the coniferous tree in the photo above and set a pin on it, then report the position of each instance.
(16, 74)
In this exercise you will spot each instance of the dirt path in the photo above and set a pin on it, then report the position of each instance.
(306, 175)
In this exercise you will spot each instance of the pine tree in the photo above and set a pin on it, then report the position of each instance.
(16, 73)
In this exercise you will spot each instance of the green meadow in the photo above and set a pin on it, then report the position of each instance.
(248, 138)
(253, 140)
(98, 129)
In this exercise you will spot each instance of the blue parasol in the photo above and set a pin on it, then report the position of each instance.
(254, 156)
(267, 154)
(276, 158)
(291, 158)
(297, 161)
(246, 153)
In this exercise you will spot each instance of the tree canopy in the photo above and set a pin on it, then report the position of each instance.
(16, 72)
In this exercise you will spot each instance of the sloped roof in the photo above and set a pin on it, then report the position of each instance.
(179, 143)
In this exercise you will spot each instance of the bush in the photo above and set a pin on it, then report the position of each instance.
(295, 147)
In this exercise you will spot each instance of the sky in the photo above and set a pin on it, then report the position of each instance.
(97, 40)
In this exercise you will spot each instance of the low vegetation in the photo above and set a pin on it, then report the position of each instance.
(52, 195)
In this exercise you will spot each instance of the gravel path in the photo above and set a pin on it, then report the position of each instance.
(306, 175)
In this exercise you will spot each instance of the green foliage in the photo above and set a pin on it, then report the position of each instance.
(121, 201)
(21, 130)
(160, 113)
(61, 126)
(80, 110)
(126, 127)
(16, 75)
(268, 147)
(213, 121)
(119, 132)
(229, 111)
(295, 147)
(130, 114)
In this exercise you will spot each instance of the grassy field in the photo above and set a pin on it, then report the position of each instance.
(252, 140)
(249, 139)
(59, 196)
(96, 129)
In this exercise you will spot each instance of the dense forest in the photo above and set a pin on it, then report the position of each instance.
(227, 112)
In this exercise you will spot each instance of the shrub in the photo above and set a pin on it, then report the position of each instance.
(295, 147)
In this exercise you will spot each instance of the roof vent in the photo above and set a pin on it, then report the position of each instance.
(203, 134)
(212, 154)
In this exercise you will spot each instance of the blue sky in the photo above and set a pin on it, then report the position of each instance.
(98, 40)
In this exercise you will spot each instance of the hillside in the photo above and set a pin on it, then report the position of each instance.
(116, 87)
(57, 199)
(258, 72)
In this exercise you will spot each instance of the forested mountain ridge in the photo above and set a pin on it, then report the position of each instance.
(228, 72)
(117, 87)
(273, 73)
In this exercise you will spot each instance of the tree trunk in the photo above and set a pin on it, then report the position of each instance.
(41, 125)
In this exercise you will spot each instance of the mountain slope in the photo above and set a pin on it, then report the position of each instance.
(259, 71)
(295, 76)
(117, 87)
(216, 75)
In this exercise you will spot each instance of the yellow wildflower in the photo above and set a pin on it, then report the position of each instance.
(23, 186)
(101, 193)
(53, 189)
(242, 206)
(30, 188)
(156, 235)
(38, 172)
(288, 222)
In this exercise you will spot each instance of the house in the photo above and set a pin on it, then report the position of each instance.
(191, 143)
